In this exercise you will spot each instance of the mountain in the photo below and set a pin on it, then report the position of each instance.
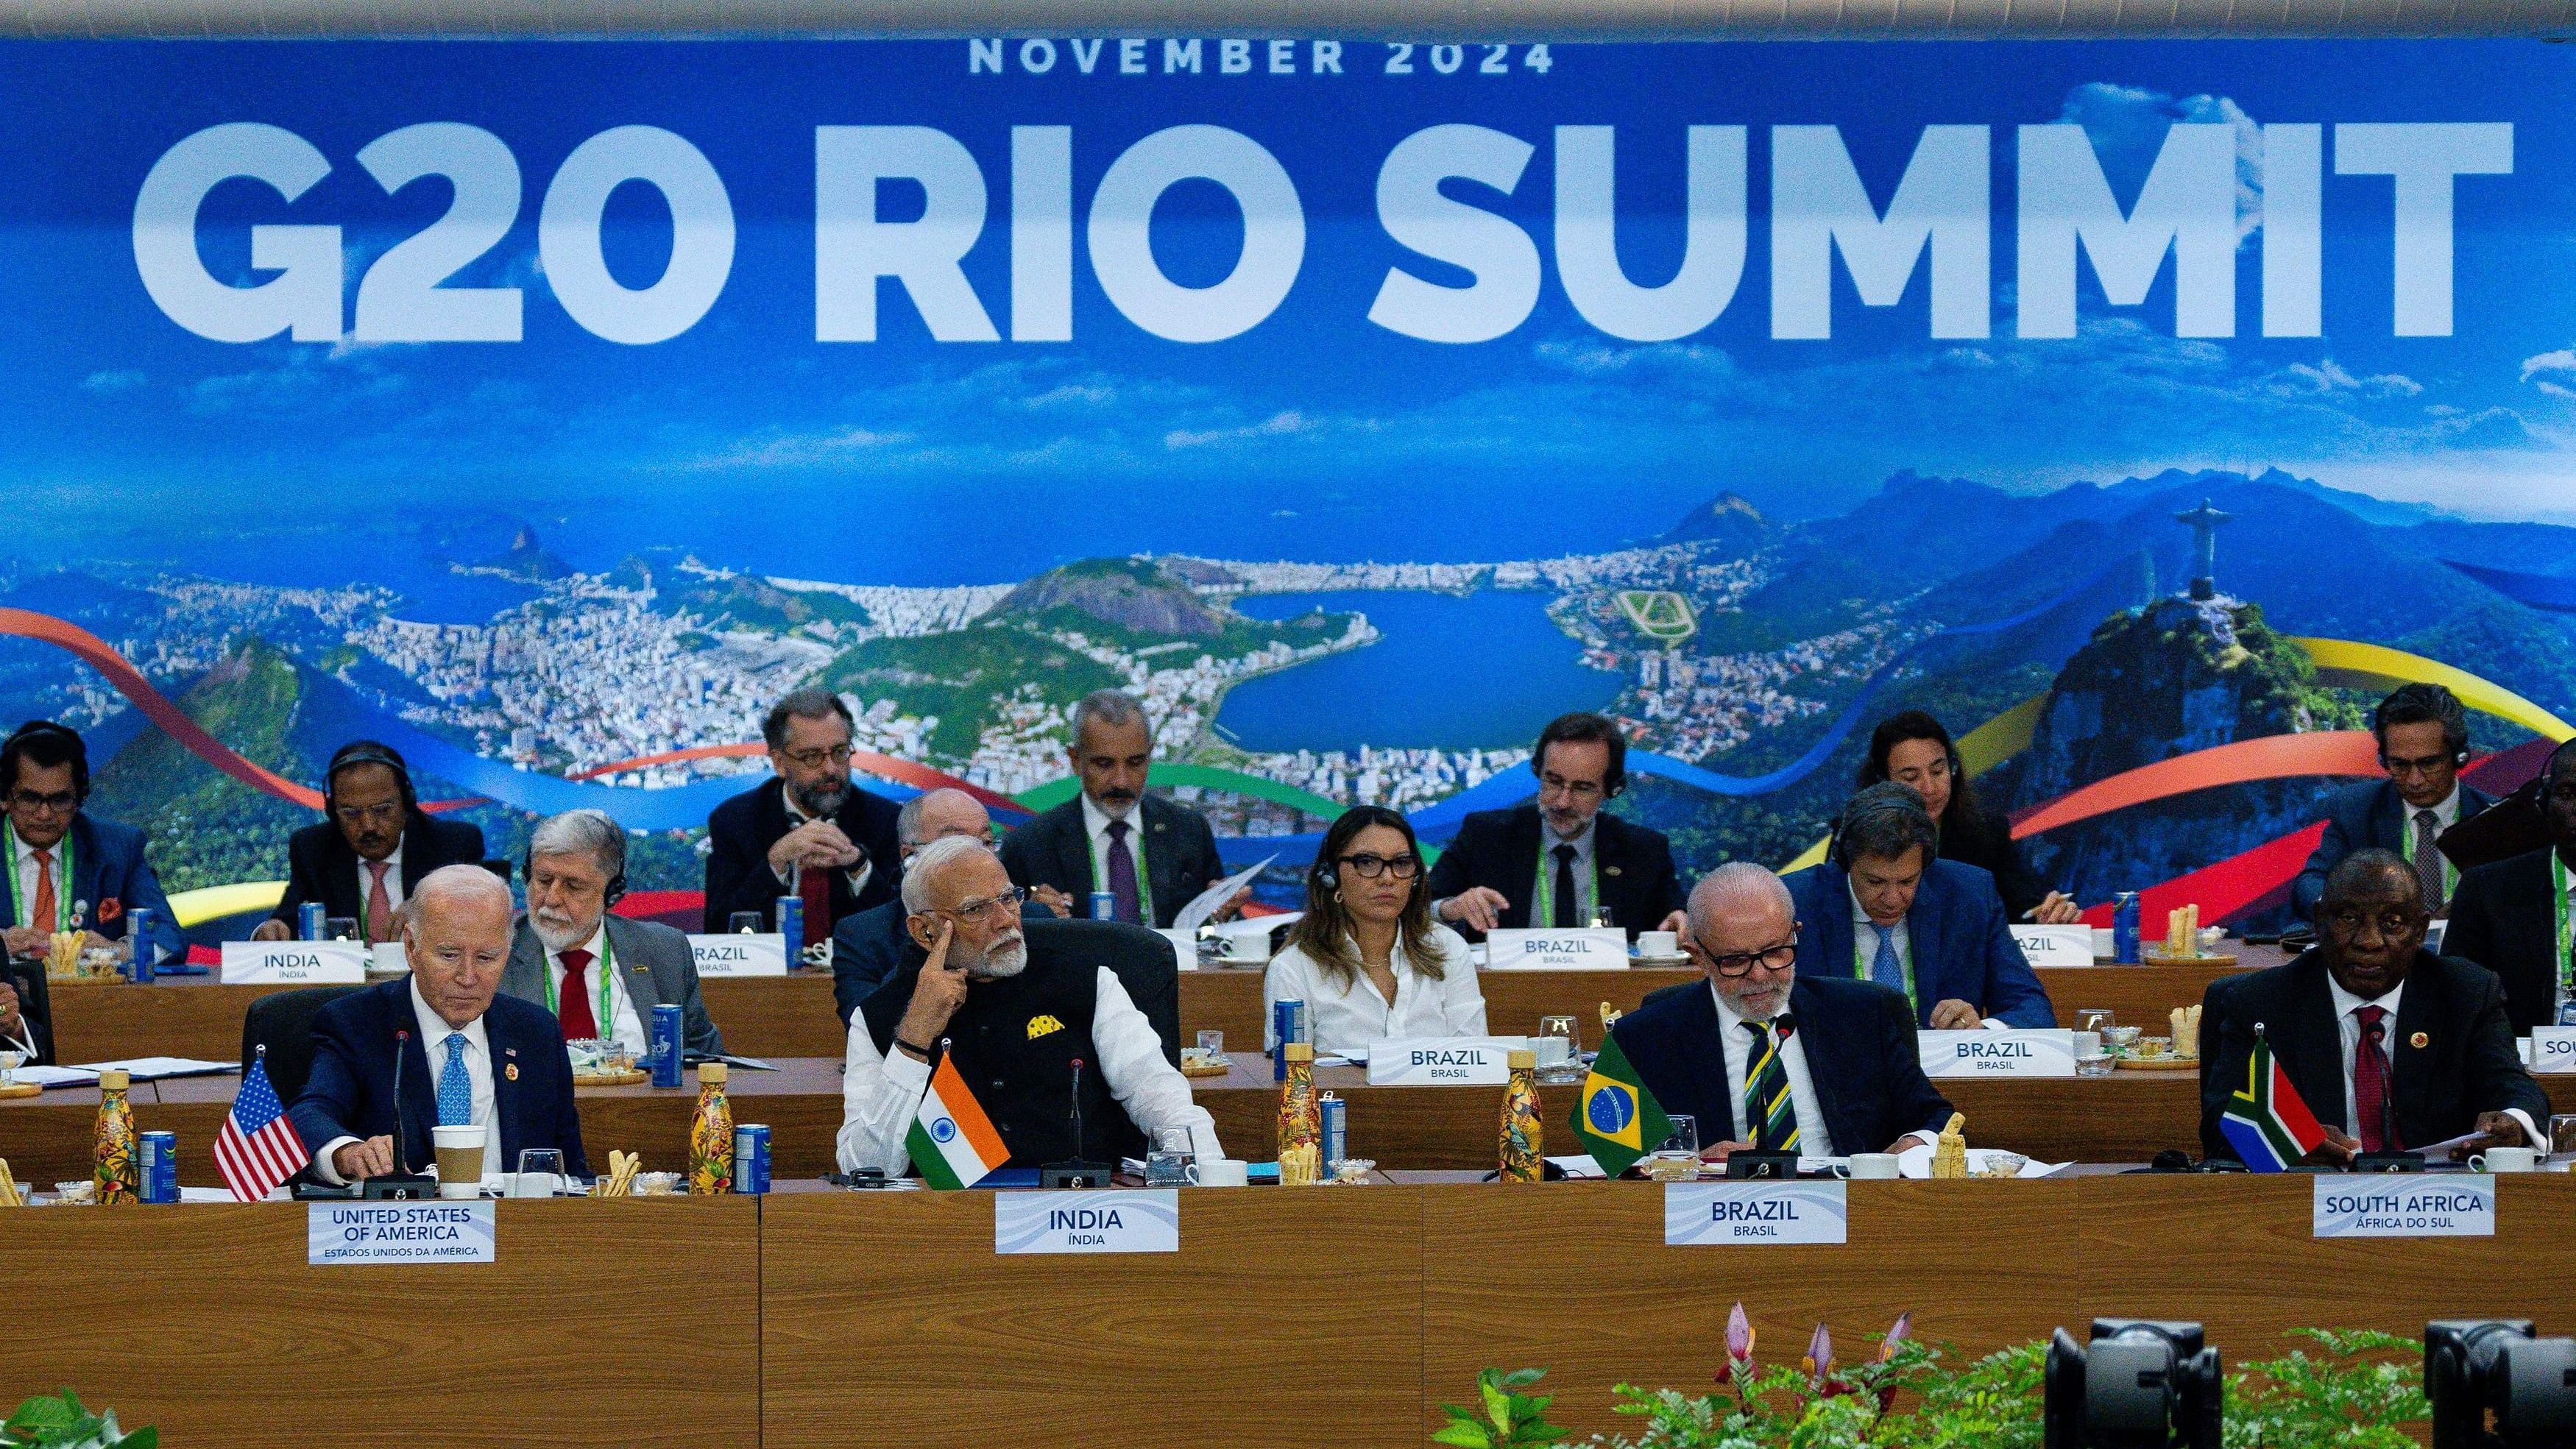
(207, 828)
(525, 559)
(1726, 527)
(1137, 596)
(749, 602)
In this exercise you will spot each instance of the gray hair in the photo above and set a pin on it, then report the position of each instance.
(1112, 707)
(1738, 882)
(932, 859)
(580, 832)
(1883, 822)
(454, 881)
(907, 820)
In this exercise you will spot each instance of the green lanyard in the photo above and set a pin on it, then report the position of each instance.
(62, 865)
(1587, 893)
(2558, 938)
(607, 1026)
(1135, 848)
(2450, 872)
(1863, 960)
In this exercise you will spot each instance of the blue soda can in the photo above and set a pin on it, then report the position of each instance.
(311, 914)
(139, 924)
(1336, 1118)
(2124, 928)
(1287, 1023)
(160, 1167)
(791, 924)
(1104, 906)
(751, 1157)
(666, 1045)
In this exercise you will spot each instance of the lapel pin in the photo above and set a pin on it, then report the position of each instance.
(2420, 1040)
(511, 1071)
(1609, 870)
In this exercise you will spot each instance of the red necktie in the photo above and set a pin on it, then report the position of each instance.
(2370, 1082)
(814, 885)
(380, 905)
(579, 1023)
(44, 917)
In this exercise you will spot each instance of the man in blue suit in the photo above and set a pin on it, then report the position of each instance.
(470, 1057)
(2423, 741)
(1884, 907)
(64, 870)
(1766, 1058)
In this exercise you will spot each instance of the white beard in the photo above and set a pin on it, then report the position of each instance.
(558, 938)
(1001, 959)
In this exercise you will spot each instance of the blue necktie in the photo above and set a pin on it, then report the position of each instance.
(455, 1089)
(1887, 969)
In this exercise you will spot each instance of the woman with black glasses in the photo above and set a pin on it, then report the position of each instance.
(1366, 958)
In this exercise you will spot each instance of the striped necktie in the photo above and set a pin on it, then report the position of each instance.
(1769, 1114)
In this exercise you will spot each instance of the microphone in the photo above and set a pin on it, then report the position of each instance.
(402, 1182)
(1075, 1171)
(402, 1140)
(1077, 1106)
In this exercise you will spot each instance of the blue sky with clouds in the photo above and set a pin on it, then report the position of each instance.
(1315, 434)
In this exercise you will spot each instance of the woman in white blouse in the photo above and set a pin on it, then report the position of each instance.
(1367, 959)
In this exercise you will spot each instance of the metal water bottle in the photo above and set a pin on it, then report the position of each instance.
(1301, 1128)
(1523, 1154)
(116, 1171)
(711, 1135)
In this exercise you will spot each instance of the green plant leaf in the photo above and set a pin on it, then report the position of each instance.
(44, 1412)
(1464, 1433)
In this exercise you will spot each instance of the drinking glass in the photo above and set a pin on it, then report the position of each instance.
(1558, 1046)
(340, 928)
(1173, 1161)
(745, 923)
(2562, 1136)
(1212, 1043)
(2096, 1018)
(1677, 1160)
(11, 1061)
(540, 1173)
(2092, 1059)
(1603, 917)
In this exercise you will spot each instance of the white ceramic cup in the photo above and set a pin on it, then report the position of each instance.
(2506, 1159)
(1222, 1172)
(451, 1144)
(1659, 943)
(1872, 1165)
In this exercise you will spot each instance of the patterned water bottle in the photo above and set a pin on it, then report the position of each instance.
(118, 1175)
(711, 1135)
(1301, 1127)
(1523, 1154)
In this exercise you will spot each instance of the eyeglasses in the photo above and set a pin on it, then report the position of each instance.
(2392, 922)
(1579, 789)
(368, 814)
(61, 802)
(2417, 765)
(1370, 867)
(814, 758)
(1741, 963)
(988, 908)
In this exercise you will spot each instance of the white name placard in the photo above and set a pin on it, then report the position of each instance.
(2055, 945)
(1137, 1220)
(1443, 1061)
(434, 1231)
(1700, 1214)
(1602, 948)
(2049, 1053)
(295, 963)
(2553, 1049)
(740, 954)
(2402, 1206)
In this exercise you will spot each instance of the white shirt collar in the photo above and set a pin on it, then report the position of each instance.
(1095, 821)
(434, 1029)
(795, 812)
(2446, 811)
(1581, 840)
(2346, 1003)
(591, 945)
(1860, 913)
(1729, 1023)
(27, 852)
(393, 862)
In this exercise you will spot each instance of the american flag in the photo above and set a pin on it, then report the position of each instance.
(258, 1148)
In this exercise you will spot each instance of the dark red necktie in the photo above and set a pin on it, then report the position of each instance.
(814, 885)
(579, 1022)
(2370, 1082)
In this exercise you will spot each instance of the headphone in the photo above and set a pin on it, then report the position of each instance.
(15, 748)
(2434, 697)
(367, 752)
(610, 895)
(1859, 811)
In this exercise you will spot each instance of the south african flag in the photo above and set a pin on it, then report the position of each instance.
(2267, 1124)
(1615, 1118)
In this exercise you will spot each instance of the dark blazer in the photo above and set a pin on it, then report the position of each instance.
(2468, 1063)
(1986, 843)
(109, 878)
(2502, 918)
(741, 830)
(320, 866)
(2362, 817)
(1861, 1056)
(869, 947)
(1963, 950)
(351, 1090)
(654, 961)
(35, 1008)
(1499, 849)
(1055, 850)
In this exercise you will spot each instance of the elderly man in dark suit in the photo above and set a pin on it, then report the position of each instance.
(601, 975)
(376, 846)
(2390, 1046)
(2423, 741)
(1151, 855)
(1561, 861)
(809, 833)
(1768, 1059)
(2508, 915)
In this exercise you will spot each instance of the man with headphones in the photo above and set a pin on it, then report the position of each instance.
(372, 851)
(2423, 741)
(600, 975)
(1883, 907)
(65, 871)
(1560, 862)
(2513, 916)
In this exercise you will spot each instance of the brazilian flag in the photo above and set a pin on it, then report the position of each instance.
(1615, 1118)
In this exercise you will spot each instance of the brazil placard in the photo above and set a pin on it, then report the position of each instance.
(2041, 1053)
(1704, 1214)
(740, 954)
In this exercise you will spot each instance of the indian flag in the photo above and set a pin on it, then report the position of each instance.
(2267, 1124)
(952, 1141)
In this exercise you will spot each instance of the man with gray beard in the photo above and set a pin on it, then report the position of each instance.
(1015, 1010)
(601, 975)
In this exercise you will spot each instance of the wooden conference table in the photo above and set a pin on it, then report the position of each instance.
(188, 1016)
(1287, 1317)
